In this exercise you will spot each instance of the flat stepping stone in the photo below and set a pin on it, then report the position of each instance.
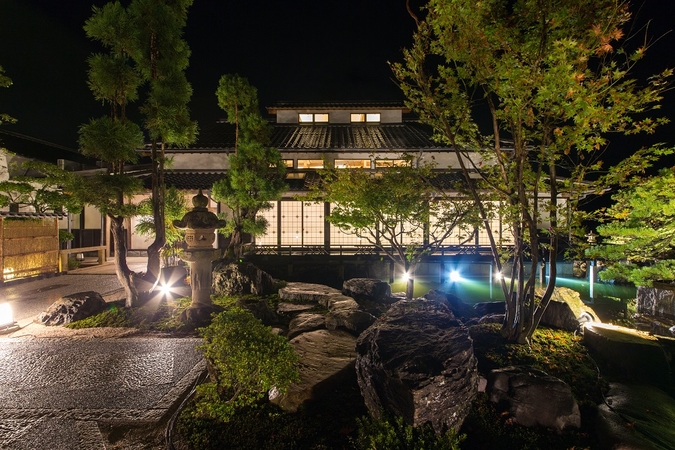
(307, 292)
(289, 308)
(628, 353)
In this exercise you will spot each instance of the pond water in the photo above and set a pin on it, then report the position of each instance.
(606, 298)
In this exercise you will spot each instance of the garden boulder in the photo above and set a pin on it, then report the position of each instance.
(241, 279)
(534, 398)
(417, 362)
(73, 307)
(326, 360)
(566, 310)
(368, 289)
(456, 305)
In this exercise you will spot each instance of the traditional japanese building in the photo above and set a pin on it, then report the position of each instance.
(366, 136)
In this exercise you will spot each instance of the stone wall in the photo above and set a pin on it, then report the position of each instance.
(658, 300)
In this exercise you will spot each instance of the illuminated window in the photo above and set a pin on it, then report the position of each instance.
(296, 175)
(288, 163)
(370, 117)
(310, 164)
(313, 118)
(390, 163)
(352, 164)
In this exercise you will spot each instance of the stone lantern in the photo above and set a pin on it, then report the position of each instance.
(200, 233)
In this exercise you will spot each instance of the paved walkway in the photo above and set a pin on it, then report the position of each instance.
(70, 389)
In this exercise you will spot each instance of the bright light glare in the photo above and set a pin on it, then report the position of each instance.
(498, 276)
(405, 276)
(6, 316)
(165, 289)
(454, 276)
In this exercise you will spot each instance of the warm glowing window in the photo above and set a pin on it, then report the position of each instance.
(288, 163)
(313, 118)
(352, 163)
(371, 117)
(296, 175)
(390, 163)
(310, 164)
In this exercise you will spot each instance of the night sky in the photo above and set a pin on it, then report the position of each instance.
(302, 50)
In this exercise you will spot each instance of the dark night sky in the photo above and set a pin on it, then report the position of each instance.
(301, 50)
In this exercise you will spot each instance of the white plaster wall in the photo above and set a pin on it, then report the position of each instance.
(200, 161)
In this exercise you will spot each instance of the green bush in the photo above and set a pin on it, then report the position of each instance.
(395, 434)
(73, 263)
(247, 360)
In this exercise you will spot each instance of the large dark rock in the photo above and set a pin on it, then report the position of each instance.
(658, 301)
(305, 322)
(534, 398)
(326, 360)
(368, 290)
(344, 312)
(260, 310)
(636, 417)
(241, 279)
(199, 316)
(628, 354)
(566, 310)
(489, 308)
(456, 305)
(307, 292)
(417, 361)
(73, 307)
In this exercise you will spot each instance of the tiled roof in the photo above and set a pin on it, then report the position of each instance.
(220, 136)
(336, 105)
(183, 179)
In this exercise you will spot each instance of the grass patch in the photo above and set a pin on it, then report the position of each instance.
(153, 316)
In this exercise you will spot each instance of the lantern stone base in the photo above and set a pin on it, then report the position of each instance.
(200, 315)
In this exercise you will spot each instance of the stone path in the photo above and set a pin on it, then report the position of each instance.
(61, 393)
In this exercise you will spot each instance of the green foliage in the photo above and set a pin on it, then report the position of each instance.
(73, 263)
(45, 189)
(113, 317)
(402, 210)
(395, 434)
(65, 236)
(5, 81)
(248, 360)
(328, 422)
(554, 81)
(151, 317)
(175, 207)
(558, 353)
(256, 173)
(638, 233)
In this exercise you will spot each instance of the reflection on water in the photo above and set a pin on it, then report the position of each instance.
(606, 296)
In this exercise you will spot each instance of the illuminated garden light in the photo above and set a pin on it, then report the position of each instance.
(455, 276)
(6, 316)
(405, 276)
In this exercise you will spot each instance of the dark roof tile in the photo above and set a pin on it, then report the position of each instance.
(220, 136)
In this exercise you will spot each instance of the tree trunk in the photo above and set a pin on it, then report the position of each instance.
(124, 274)
(158, 190)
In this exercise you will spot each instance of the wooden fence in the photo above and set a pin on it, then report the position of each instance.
(28, 247)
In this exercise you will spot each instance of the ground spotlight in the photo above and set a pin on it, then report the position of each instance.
(405, 276)
(498, 276)
(455, 276)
